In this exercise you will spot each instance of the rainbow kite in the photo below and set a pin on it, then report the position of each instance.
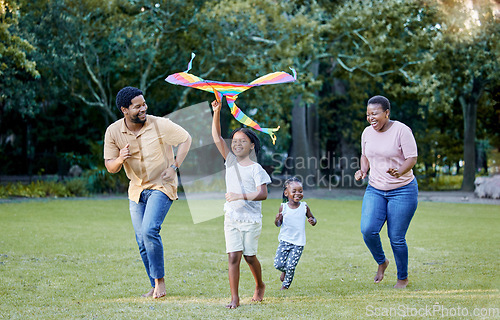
(231, 90)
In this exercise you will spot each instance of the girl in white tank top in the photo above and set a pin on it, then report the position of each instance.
(292, 238)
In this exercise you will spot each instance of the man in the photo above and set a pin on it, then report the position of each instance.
(142, 144)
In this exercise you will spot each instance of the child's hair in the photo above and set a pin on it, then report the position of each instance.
(252, 136)
(286, 184)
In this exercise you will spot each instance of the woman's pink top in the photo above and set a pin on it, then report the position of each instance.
(386, 150)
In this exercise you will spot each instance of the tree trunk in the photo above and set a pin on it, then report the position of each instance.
(313, 128)
(300, 148)
(469, 109)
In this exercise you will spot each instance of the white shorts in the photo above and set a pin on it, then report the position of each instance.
(242, 236)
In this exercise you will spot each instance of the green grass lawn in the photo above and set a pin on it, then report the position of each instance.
(77, 259)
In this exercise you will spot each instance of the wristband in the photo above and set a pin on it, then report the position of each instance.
(174, 167)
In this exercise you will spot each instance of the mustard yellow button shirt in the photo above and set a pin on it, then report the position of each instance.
(151, 153)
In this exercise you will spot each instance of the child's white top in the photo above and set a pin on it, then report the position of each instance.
(293, 228)
(244, 179)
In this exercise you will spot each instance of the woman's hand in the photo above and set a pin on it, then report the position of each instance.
(394, 172)
(359, 175)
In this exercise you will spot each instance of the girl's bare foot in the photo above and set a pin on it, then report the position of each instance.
(235, 303)
(381, 270)
(259, 292)
(284, 288)
(401, 284)
(282, 277)
(149, 294)
(160, 290)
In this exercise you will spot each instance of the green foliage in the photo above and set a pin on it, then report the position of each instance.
(37, 189)
(17, 69)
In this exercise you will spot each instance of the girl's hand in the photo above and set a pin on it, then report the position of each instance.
(394, 172)
(279, 220)
(359, 175)
(216, 106)
(312, 221)
(231, 196)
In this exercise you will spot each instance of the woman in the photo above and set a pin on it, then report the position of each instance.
(389, 151)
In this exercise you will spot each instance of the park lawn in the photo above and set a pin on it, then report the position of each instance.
(77, 259)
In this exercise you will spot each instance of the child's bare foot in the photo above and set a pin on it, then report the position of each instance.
(259, 292)
(401, 284)
(284, 288)
(381, 270)
(282, 277)
(235, 303)
(160, 290)
(149, 294)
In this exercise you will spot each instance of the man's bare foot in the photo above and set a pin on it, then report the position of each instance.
(284, 288)
(381, 270)
(149, 294)
(401, 284)
(259, 292)
(235, 303)
(160, 290)
(282, 277)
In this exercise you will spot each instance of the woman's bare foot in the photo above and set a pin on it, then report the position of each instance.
(381, 270)
(259, 292)
(284, 288)
(282, 277)
(401, 284)
(160, 290)
(149, 294)
(235, 303)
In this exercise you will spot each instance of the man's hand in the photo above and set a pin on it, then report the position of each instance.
(169, 174)
(124, 153)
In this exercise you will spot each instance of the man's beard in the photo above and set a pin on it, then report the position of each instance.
(136, 119)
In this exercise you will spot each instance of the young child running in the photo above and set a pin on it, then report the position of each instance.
(292, 219)
(246, 187)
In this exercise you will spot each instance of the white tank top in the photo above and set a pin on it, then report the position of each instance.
(293, 228)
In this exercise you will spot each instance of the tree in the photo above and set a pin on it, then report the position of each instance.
(463, 66)
(276, 35)
(17, 82)
(374, 47)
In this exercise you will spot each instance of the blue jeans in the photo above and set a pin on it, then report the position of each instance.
(397, 207)
(147, 217)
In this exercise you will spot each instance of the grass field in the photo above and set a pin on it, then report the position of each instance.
(77, 259)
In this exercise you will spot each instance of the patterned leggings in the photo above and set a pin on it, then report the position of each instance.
(286, 260)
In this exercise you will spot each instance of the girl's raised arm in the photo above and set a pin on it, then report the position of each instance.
(216, 132)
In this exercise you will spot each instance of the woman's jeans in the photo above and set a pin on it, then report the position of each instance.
(397, 208)
(147, 217)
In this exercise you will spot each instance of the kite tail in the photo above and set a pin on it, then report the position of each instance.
(244, 119)
(270, 132)
(190, 64)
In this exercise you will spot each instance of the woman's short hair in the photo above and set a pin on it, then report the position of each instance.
(382, 101)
